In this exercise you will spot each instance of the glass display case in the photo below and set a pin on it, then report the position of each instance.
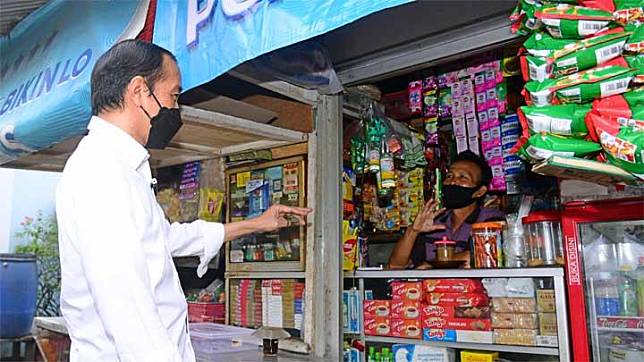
(251, 191)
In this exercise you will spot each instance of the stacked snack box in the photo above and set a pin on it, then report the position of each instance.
(514, 311)
(406, 309)
(377, 317)
(456, 310)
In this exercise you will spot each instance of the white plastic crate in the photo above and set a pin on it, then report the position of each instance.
(211, 339)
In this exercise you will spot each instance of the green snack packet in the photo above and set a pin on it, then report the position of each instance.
(575, 22)
(523, 17)
(580, 87)
(576, 56)
(564, 119)
(625, 150)
(545, 145)
(636, 62)
(635, 44)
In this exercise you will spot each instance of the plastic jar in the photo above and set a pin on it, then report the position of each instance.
(487, 241)
(544, 243)
(445, 249)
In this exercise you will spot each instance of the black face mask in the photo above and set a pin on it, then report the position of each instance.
(456, 197)
(163, 126)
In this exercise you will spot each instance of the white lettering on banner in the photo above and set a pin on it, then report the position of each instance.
(199, 17)
(572, 262)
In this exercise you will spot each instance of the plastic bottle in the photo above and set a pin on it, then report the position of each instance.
(628, 298)
(378, 357)
(606, 296)
(387, 169)
(371, 357)
(385, 354)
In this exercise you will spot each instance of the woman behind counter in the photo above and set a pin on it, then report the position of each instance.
(464, 188)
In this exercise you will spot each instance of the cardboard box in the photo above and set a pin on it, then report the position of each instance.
(418, 353)
(517, 337)
(450, 335)
(514, 320)
(548, 324)
(514, 305)
(479, 356)
(457, 299)
(377, 309)
(546, 300)
(466, 324)
(443, 335)
(404, 309)
(452, 285)
(450, 311)
(411, 291)
(377, 326)
(406, 328)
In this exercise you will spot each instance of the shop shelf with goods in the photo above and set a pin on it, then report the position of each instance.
(370, 292)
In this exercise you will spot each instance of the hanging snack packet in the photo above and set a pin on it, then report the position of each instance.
(575, 22)
(627, 105)
(611, 5)
(564, 119)
(580, 87)
(210, 202)
(626, 149)
(575, 56)
(542, 44)
(599, 124)
(542, 146)
(636, 62)
(635, 44)
(523, 17)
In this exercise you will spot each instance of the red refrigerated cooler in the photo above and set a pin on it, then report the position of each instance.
(604, 249)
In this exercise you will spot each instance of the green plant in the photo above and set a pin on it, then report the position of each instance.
(41, 237)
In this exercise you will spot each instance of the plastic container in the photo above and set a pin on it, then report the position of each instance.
(513, 244)
(18, 286)
(544, 243)
(487, 241)
(606, 295)
(445, 249)
(210, 339)
(206, 312)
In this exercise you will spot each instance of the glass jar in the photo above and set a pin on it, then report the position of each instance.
(544, 242)
(445, 249)
(487, 241)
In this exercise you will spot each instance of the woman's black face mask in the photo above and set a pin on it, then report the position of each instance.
(163, 126)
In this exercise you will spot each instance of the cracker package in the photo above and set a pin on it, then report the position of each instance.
(542, 146)
(563, 58)
(625, 149)
(610, 79)
(563, 119)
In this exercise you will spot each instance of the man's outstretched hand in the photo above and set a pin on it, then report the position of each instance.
(280, 216)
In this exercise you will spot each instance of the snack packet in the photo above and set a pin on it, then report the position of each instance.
(582, 87)
(635, 44)
(542, 146)
(573, 56)
(627, 105)
(626, 149)
(564, 119)
(570, 21)
(523, 17)
(636, 62)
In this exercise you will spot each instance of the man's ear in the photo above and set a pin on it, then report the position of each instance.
(480, 192)
(136, 90)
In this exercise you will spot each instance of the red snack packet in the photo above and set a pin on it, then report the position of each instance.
(452, 285)
(458, 299)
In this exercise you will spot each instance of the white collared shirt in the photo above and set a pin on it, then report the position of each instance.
(121, 296)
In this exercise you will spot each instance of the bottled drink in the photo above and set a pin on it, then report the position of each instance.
(606, 296)
(628, 298)
(640, 294)
(387, 170)
(371, 357)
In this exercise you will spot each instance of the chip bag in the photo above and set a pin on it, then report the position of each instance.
(636, 62)
(543, 145)
(564, 119)
(210, 202)
(612, 113)
(565, 58)
(635, 44)
(575, 22)
(581, 87)
(626, 149)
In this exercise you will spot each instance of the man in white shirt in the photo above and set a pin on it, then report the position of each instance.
(121, 297)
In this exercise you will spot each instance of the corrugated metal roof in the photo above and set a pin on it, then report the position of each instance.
(12, 11)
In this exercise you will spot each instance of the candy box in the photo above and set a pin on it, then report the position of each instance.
(406, 328)
(447, 311)
(412, 291)
(452, 285)
(404, 309)
(479, 356)
(514, 305)
(514, 320)
(377, 326)
(457, 299)
(377, 308)
(418, 353)
(519, 337)
(546, 300)
(443, 335)
(468, 324)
